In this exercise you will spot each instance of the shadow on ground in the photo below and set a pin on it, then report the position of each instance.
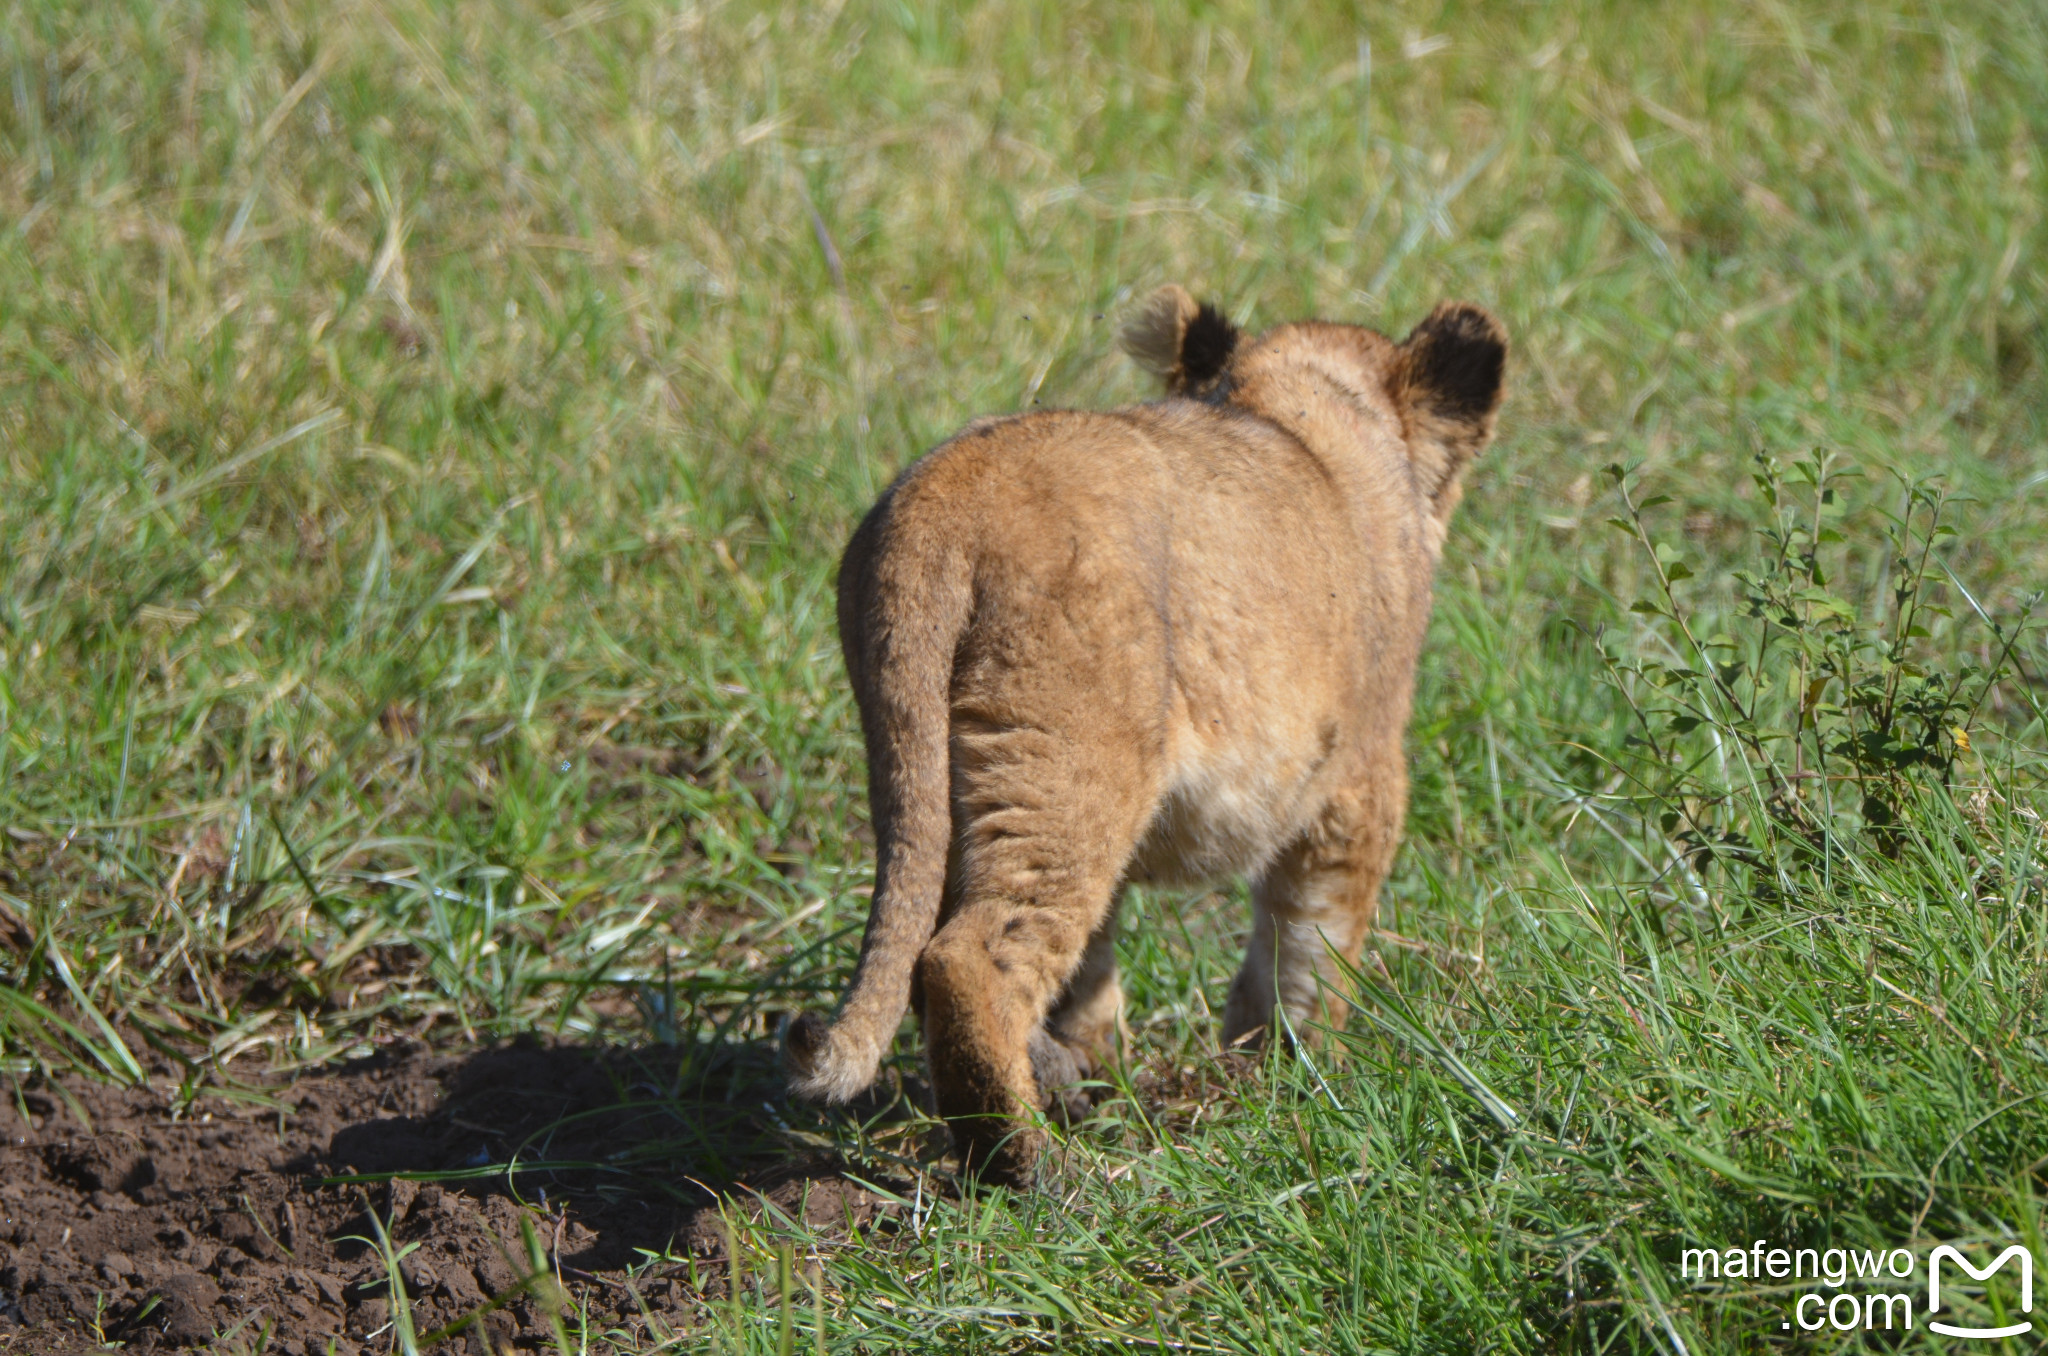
(122, 1221)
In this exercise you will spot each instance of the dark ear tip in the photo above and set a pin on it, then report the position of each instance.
(1458, 355)
(1460, 324)
(1206, 345)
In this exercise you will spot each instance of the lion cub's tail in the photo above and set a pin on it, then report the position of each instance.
(904, 601)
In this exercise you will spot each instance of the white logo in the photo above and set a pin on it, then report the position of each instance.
(2026, 1289)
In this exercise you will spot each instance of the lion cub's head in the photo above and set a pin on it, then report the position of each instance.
(1444, 379)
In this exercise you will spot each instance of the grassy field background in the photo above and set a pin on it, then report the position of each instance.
(427, 430)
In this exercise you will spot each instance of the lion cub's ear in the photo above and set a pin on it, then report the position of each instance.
(1173, 338)
(1447, 383)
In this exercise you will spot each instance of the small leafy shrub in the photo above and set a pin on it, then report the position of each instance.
(1800, 720)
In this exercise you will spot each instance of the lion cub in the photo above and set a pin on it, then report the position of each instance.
(1158, 644)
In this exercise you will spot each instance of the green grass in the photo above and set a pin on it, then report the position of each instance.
(426, 435)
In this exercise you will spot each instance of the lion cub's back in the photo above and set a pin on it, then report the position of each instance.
(1178, 476)
(1191, 563)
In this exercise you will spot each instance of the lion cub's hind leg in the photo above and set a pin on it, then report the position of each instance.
(1314, 903)
(1043, 848)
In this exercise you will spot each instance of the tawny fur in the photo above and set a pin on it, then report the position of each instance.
(1159, 644)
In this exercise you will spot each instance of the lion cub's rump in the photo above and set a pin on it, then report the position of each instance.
(1166, 643)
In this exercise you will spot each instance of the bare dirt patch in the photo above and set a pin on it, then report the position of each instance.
(125, 1219)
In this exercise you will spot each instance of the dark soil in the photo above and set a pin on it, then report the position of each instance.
(133, 1224)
